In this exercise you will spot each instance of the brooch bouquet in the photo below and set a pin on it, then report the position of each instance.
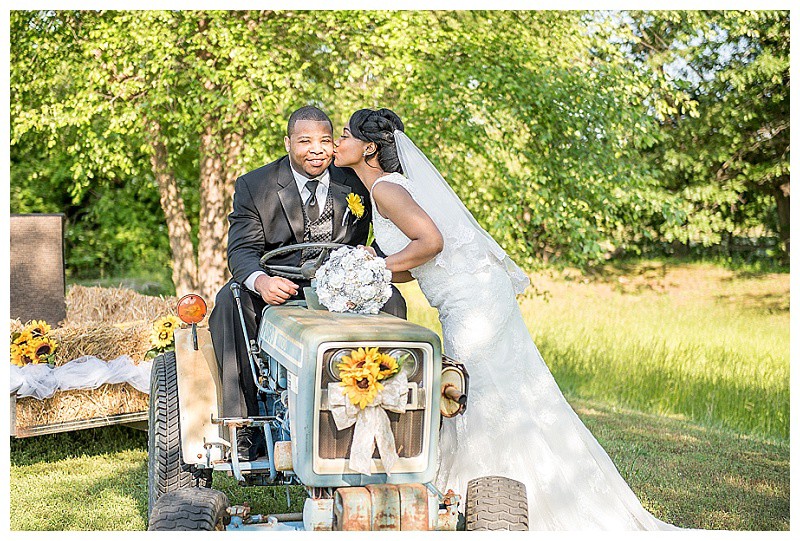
(353, 280)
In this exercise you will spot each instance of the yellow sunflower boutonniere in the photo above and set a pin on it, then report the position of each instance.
(355, 206)
(162, 335)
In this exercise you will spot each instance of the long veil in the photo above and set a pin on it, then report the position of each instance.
(465, 240)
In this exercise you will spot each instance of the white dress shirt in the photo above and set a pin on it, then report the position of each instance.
(322, 196)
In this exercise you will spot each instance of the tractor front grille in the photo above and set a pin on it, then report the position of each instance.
(408, 428)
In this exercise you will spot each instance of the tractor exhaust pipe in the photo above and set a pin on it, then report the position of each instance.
(450, 391)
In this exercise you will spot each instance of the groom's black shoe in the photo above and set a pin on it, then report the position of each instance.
(250, 443)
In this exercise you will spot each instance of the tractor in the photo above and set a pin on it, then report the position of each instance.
(294, 360)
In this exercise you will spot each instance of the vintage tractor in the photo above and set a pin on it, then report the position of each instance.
(294, 360)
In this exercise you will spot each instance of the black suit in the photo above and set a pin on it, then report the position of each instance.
(267, 214)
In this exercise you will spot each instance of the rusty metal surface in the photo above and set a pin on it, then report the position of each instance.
(352, 509)
(413, 507)
(448, 517)
(454, 388)
(385, 513)
(318, 514)
(283, 456)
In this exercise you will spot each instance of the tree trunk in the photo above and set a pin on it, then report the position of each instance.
(213, 228)
(219, 168)
(781, 194)
(184, 269)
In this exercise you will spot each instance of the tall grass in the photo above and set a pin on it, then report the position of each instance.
(692, 339)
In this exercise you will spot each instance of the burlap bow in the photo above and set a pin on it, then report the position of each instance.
(372, 422)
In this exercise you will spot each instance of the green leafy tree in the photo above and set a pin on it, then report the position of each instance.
(539, 120)
(728, 160)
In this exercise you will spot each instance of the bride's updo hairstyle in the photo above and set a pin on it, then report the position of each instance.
(378, 127)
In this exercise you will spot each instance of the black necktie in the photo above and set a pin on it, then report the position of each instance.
(312, 208)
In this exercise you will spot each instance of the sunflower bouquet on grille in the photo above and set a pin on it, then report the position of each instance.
(371, 384)
(362, 373)
(354, 280)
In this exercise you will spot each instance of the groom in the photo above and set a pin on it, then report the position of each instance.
(300, 197)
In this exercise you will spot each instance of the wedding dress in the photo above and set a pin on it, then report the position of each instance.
(517, 423)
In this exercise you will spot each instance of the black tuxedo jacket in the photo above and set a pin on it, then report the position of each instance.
(267, 214)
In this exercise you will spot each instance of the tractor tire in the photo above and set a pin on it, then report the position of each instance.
(166, 471)
(496, 503)
(197, 509)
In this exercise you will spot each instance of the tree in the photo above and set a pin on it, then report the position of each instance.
(728, 161)
(539, 120)
(165, 85)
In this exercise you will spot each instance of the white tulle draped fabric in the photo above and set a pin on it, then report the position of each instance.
(41, 381)
(517, 422)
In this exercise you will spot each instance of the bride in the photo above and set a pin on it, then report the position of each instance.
(518, 423)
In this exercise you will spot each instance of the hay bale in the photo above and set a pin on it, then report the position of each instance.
(16, 325)
(102, 340)
(79, 405)
(114, 305)
(105, 323)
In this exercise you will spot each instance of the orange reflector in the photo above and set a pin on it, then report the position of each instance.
(191, 308)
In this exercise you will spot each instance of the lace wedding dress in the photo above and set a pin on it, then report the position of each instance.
(517, 422)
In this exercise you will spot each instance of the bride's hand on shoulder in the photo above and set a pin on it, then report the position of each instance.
(369, 249)
(396, 204)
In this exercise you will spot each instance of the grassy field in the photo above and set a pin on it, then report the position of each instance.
(695, 340)
(684, 473)
(680, 371)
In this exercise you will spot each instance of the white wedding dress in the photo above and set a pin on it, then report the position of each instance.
(517, 423)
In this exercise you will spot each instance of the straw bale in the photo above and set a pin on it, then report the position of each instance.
(16, 325)
(114, 305)
(79, 405)
(102, 340)
(105, 323)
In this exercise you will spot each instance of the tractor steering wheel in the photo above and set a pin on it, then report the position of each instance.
(307, 270)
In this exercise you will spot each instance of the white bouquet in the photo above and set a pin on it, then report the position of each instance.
(354, 280)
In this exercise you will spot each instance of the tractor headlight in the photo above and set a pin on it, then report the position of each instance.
(335, 359)
(409, 364)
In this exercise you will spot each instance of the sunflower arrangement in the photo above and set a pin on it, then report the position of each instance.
(361, 373)
(162, 335)
(31, 345)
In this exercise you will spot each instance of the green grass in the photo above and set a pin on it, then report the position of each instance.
(680, 371)
(682, 472)
(142, 282)
(697, 340)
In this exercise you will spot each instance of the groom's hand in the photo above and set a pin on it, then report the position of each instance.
(275, 289)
